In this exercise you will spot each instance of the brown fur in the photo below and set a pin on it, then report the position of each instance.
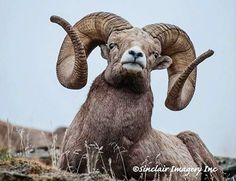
(118, 111)
(126, 123)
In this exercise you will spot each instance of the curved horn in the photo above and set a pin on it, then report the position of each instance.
(182, 73)
(91, 31)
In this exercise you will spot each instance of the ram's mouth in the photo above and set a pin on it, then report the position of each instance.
(132, 63)
(132, 66)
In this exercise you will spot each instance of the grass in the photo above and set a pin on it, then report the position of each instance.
(5, 155)
(93, 152)
(14, 167)
(19, 166)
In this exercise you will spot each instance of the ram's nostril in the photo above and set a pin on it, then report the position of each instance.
(131, 52)
(135, 53)
(139, 54)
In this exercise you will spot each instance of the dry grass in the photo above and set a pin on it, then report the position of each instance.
(20, 164)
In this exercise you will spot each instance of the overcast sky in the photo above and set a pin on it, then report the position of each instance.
(31, 95)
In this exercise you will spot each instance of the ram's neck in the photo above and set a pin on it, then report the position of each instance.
(119, 110)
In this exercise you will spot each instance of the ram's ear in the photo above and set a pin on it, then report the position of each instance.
(104, 51)
(162, 62)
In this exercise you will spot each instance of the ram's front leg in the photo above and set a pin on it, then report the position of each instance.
(154, 156)
(202, 156)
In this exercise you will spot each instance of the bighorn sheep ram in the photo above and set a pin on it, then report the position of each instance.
(119, 105)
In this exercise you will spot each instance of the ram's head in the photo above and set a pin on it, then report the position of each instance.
(131, 53)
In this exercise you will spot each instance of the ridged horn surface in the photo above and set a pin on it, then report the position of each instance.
(176, 44)
(91, 31)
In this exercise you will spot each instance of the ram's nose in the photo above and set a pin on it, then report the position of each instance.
(136, 53)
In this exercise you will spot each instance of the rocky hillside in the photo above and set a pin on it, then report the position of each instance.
(38, 160)
(229, 167)
(26, 169)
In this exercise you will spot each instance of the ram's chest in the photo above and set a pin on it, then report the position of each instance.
(121, 117)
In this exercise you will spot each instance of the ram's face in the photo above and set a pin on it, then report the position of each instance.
(131, 55)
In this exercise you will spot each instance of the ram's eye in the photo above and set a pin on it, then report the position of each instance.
(156, 54)
(111, 45)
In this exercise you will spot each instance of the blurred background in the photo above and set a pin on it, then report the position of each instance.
(31, 96)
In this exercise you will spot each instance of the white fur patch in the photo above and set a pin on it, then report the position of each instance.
(131, 63)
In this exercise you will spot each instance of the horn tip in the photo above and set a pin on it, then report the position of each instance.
(54, 18)
(210, 52)
(171, 105)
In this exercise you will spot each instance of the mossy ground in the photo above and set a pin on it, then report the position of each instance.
(20, 168)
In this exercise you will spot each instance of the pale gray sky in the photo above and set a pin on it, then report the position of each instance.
(30, 94)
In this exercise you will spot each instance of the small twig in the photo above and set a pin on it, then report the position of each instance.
(111, 170)
(117, 147)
